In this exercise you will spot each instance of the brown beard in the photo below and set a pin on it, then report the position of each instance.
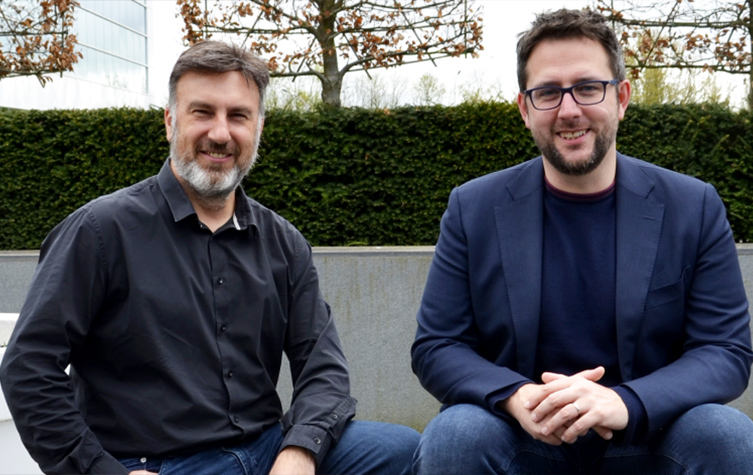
(604, 140)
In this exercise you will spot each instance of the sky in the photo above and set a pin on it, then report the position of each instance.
(493, 70)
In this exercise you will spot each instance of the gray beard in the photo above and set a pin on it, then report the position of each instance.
(213, 187)
(207, 184)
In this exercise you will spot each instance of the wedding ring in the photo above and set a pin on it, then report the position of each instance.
(575, 405)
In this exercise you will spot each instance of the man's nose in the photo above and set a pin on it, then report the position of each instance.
(568, 106)
(220, 131)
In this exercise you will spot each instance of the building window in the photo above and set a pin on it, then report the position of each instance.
(112, 38)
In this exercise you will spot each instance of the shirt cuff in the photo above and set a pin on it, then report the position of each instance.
(318, 436)
(312, 438)
(108, 465)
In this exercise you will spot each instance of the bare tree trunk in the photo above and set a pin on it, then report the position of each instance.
(332, 86)
(332, 82)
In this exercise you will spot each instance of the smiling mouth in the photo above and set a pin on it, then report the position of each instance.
(572, 135)
(218, 155)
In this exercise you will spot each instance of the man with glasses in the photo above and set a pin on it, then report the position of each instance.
(585, 311)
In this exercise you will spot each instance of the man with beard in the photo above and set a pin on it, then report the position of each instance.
(584, 311)
(173, 301)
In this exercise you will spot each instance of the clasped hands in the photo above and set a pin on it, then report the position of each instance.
(567, 407)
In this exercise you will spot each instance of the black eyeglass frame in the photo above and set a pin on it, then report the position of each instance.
(569, 90)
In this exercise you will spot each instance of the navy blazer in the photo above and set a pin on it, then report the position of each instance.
(683, 336)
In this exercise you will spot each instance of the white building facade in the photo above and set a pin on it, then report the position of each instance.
(116, 38)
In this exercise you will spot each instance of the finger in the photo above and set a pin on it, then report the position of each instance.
(554, 402)
(535, 431)
(545, 391)
(594, 375)
(581, 426)
(535, 398)
(561, 432)
(548, 377)
(556, 382)
(605, 433)
(551, 439)
(561, 419)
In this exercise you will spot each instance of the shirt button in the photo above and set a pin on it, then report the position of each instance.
(220, 281)
(223, 328)
(142, 460)
(235, 419)
(229, 374)
(317, 441)
(335, 417)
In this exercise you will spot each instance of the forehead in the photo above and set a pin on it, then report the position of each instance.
(219, 88)
(567, 61)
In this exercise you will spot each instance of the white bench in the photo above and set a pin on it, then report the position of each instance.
(15, 459)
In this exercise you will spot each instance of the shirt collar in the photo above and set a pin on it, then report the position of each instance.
(181, 206)
(176, 198)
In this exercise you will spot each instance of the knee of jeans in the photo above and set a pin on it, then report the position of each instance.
(459, 427)
(465, 439)
(711, 438)
(715, 424)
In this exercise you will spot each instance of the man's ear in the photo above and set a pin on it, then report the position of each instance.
(168, 124)
(523, 108)
(625, 91)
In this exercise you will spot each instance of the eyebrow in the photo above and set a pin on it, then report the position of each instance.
(206, 105)
(199, 104)
(576, 81)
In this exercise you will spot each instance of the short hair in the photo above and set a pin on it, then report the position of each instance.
(566, 24)
(215, 57)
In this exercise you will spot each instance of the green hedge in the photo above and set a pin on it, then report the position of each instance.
(344, 176)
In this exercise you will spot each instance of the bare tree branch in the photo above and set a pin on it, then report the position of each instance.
(35, 39)
(682, 34)
(330, 38)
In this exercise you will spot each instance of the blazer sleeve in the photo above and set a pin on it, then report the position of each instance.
(445, 354)
(715, 361)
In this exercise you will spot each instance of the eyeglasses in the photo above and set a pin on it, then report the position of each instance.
(586, 93)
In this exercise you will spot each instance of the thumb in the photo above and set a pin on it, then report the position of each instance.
(548, 377)
(593, 374)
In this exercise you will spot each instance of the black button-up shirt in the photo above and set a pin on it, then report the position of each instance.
(174, 334)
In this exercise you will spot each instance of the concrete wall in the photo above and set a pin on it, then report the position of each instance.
(374, 293)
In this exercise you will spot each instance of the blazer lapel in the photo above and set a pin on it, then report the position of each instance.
(639, 223)
(519, 225)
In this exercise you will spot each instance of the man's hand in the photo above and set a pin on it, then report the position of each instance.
(515, 406)
(568, 406)
(294, 461)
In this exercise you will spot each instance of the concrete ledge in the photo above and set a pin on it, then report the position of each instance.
(7, 322)
(4, 412)
(374, 293)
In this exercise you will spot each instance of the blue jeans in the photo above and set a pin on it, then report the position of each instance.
(365, 447)
(467, 439)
